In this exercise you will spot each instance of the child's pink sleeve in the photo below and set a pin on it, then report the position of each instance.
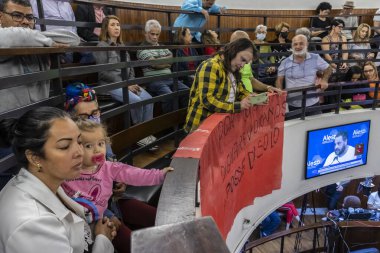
(128, 174)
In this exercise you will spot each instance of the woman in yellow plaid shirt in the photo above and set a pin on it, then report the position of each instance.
(217, 85)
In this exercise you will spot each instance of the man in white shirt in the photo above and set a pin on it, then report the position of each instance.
(349, 21)
(374, 200)
(342, 151)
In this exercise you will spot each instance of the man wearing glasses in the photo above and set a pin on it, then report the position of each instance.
(17, 24)
(300, 69)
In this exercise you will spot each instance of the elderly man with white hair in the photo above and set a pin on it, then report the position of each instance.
(300, 69)
(159, 87)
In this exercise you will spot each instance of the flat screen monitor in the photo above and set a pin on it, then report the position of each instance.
(336, 148)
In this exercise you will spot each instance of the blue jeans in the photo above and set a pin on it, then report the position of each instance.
(270, 224)
(141, 113)
(166, 86)
(333, 196)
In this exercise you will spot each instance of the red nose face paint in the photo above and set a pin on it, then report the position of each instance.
(98, 159)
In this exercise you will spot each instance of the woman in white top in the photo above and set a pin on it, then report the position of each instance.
(36, 215)
(361, 39)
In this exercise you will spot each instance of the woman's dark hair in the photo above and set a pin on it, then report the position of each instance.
(323, 6)
(29, 132)
(232, 49)
(336, 22)
(180, 35)
(351, 72)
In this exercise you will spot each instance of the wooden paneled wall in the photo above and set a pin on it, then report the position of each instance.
(135, 17)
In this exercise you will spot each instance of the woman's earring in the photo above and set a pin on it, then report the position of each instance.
(39, 168)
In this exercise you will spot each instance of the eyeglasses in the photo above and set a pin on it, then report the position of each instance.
(340, 26)
(93, 114)
(368, 71)
(19, 17)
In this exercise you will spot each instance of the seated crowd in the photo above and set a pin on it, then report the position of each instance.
(222, 83)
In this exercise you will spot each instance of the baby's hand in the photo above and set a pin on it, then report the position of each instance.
(116, 222)
(167, 169)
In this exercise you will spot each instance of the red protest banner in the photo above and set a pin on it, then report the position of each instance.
(240, 158)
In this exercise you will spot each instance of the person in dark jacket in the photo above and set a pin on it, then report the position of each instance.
(91, 13)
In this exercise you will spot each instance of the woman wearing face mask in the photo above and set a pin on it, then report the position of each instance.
(36, 215)
(283, 43)
(261, 33)
(110, 35)
(361, 38)
(81, 102)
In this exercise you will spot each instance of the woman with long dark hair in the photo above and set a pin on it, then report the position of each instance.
(217, 86)
(36, 215)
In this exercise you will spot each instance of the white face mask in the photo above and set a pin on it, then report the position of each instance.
(261, 36)
(95, 119)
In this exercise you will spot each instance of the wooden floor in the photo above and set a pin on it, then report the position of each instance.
(143, 159)
(292, 243)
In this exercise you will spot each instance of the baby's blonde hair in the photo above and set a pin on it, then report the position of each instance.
(86, 125)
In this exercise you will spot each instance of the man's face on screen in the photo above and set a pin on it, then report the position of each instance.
(340, 146)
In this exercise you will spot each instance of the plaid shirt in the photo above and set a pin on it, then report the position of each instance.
(210, 92)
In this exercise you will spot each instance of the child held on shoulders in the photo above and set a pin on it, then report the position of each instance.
(93, 188)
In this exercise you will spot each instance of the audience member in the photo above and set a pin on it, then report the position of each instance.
(195, 20)
(263, 71)
(349, 20)
(110, 35)
(282, 34)
(351, 201)
(374, 200)
(334, 193)
(370, 74)
(17, 21)
(55, 10)
(361, 38)
(35, 213)
(93, 187)
(217, 86)
(251, 84)
(305, 31)
(159, 87)
(270, 224)
(300, 69)
(336, 43)
(81, 102)
(376, 28)
(353, 74)
(210, 37)
(291, 213)
(321, 24)
(91, 13)
(183, 37)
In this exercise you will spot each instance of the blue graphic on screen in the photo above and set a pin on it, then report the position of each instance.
(336, 148)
